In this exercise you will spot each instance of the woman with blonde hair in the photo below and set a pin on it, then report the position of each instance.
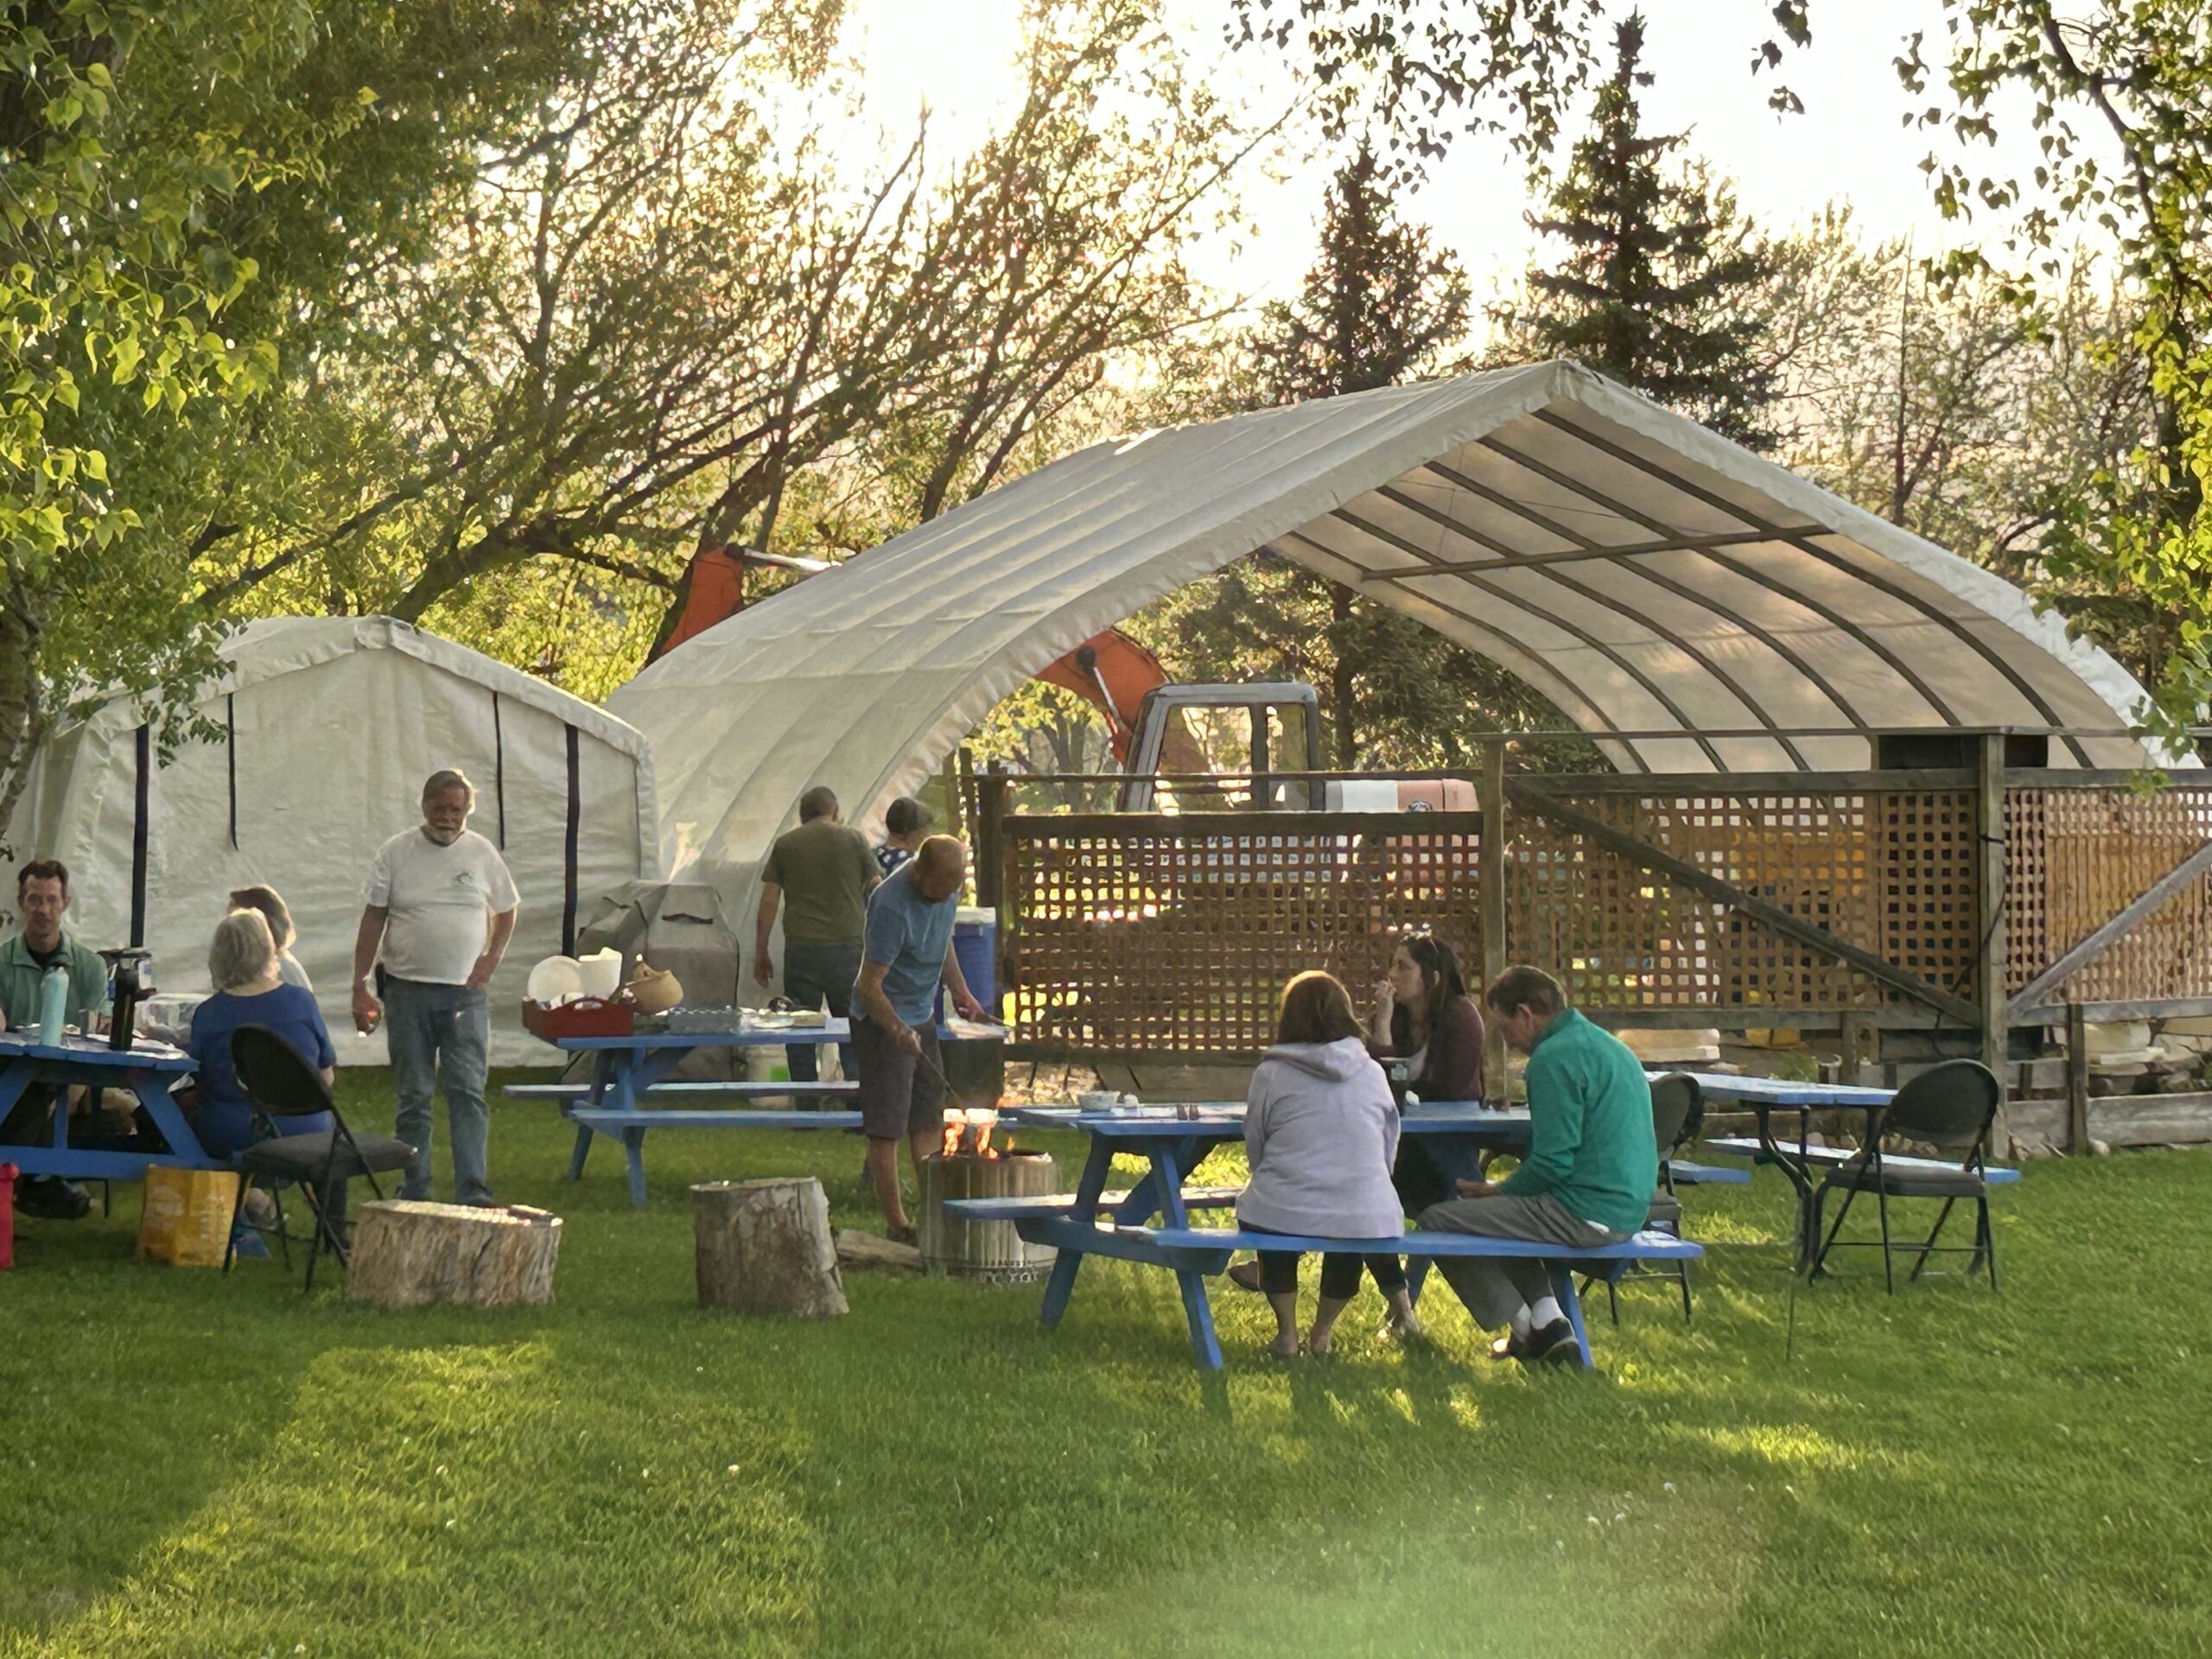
(1320, 1130)
(250, 990)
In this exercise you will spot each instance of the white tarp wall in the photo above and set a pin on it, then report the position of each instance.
(330, 726)
(1693, 607)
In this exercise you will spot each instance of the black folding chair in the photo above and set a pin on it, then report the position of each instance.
(1951, 1107)
(280, 1084)
(1677, 1115)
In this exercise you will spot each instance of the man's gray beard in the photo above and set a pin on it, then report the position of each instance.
(443, 837)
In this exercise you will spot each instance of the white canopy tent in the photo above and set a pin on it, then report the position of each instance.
(1691, 606)
(328, 725)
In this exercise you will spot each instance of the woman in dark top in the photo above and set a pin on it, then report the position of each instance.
(250, 991)
(1425, 1022)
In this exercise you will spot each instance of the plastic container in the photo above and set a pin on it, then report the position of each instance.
(53, 1007)
(974, 945)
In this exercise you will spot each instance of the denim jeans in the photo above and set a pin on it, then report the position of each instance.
(813, 974)
(441, 1033)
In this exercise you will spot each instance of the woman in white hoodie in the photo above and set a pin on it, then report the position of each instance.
(1321, 1130)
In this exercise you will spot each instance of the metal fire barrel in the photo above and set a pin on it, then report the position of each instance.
(989, 1251)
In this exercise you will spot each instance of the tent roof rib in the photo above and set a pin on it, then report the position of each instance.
(1691, 606)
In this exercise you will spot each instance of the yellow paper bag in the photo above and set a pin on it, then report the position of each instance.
(186, 1220)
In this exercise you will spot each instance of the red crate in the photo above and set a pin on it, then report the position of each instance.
(592, 1017)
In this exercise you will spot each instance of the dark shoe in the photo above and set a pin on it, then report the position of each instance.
(49, 1197)
(1245, 1276)
(1553, 1342)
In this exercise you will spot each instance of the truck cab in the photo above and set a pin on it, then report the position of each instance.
(1269, 732)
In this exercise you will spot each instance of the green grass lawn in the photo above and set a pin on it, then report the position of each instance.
(201, 1466)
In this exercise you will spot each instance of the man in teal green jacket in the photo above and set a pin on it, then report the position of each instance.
(1587, 1178)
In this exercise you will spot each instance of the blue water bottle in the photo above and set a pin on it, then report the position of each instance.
(53, 1007)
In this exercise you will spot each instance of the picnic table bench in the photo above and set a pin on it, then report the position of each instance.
(628, 1069)
(1193, 1254)
(1094, 1222)
(1836, 1157)
(701, 1089)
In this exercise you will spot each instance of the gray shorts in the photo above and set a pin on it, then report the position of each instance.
(899, 1094)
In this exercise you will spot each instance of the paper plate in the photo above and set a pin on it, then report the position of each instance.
(555, 978)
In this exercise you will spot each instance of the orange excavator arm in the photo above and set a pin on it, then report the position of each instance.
(1114, 673)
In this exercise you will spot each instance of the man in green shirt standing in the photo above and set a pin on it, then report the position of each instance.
(42, 896)
(822, 874)
(1591, 1163)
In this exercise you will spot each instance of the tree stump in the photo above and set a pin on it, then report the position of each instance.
(764, 1246)
(407, 1254)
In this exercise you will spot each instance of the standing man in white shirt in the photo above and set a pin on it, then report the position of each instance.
(441, 907)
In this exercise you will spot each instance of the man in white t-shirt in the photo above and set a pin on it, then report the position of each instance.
(441, 907)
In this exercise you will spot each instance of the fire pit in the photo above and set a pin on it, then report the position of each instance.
(976, 1162)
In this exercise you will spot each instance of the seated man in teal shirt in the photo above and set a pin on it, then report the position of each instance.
(1591, 1163)
(42, 896)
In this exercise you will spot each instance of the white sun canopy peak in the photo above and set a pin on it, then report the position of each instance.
(1692, 607)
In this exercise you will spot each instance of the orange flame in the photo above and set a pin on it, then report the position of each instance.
(968, 1134)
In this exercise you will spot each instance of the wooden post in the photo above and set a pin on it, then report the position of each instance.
(2077, 1080)
(985, 849)
(764, 1246)
(408, 1254)
(1990, 864)
(1490, 901)
(1860, 1045)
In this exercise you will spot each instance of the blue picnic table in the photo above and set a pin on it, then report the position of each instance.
(1172, 1143)
(147, 1071)
(625, 1069)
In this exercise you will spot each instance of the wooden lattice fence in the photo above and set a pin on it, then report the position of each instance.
(1167, 934)
(1176, 934)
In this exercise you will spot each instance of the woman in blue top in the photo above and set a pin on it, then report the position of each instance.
(250, 990)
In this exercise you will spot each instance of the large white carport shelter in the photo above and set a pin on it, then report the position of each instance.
(1691, 606)
(325, 728)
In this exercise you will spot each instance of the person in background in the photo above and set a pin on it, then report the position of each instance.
(1588, 1177)
(440, 909)
(1320, 1130)
(822, 874)
(275, 912)
(906, 826)
(246, 970)
(908, 953)
(1424, 1019)
(42, 899)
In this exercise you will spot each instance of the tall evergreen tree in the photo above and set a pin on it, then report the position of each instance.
(1661, 285)
(1381, 305)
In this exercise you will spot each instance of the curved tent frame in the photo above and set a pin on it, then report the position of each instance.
(1693, 607)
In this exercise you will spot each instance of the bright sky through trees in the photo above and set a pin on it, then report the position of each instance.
(1848, 146)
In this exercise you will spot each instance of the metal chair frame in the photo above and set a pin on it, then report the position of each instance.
(1684, 1132)
(264, 1114)
(1926, 1108)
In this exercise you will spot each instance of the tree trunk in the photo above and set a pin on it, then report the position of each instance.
(23, 713)
(407, 1254)
(764, 1246)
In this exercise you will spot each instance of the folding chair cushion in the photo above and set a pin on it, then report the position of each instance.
(1909, 1183)
(301, 1157)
